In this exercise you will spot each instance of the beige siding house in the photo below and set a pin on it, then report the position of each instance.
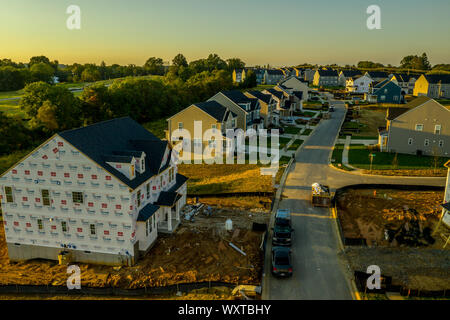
(436, 86)
(297, 85)
(421, 128)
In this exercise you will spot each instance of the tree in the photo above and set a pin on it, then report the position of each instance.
(42, 72)
(38, 59)
(250, 80)
(14, 134)
(235, 63)
(214, 62)
(179, 61)
(154, 66)
(369, 65)
(57, 102)
(91, 74)
(416, 62)
(12, 78)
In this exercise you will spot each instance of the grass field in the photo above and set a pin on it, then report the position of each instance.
(336, 158)
(359, 157)
(295, 145)
(11, 108)
(370, 121)
(291, 130)
(8, 161)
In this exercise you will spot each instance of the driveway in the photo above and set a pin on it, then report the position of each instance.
(318, 274)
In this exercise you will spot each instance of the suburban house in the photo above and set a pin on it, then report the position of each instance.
(259, 75)
(359, 84)
(284, 105)
(422, 127)
(212, 115)
(297, 85)
(405, 81)
(344, 75)
(326, 78)
(436, 86)
(295, 97)
(309, 75)
(273, 76)
(386, 91)
(377, 75)
(239, 75)
(247, 110)
(268, 105)
(102, 193)
(299, 73)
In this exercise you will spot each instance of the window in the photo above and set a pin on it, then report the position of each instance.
(171, 174)
(427, 142)
(45, 197)
(132, 170)
(64, 226)
(437, 129)
(139, 198)
(9, 194)
(92, 227)
(410, 141)
(142, 165)
(40, 225)
(147, 223)
(148, 190)
(77, 197)
(441, 143)
(214, 126)
(180, 125)
(383, 98)
(419, 127)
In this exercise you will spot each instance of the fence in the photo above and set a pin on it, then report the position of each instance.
(111, 291)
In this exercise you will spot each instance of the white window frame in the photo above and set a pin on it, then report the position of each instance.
(426, 142)
(437, 129)
(419, 125)
(180, 125)
(410, 141)
(441, 143)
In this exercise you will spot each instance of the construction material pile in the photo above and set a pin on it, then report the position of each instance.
(199, 251)
(390, 217)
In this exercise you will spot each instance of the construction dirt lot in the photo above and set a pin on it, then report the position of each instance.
(398, 229)
(198, 251)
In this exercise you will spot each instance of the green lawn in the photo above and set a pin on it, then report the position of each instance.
(359, 157)
(10, 94)
(336, 158)
(364, 138)
(284, 142)
(296, 144)
(11, 108)
(291, 130)
(307, 132)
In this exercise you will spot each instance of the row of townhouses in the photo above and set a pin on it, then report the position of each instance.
(240, 110)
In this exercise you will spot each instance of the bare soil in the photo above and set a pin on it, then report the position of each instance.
(197, 252)
(410, 173)
(367, 213)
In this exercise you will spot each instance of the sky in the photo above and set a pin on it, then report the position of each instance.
(260, 32)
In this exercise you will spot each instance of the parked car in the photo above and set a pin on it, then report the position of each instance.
(331, 109)
(281, 262)
(282, 230)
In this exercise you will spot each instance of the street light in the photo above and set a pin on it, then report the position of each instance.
(371, 155)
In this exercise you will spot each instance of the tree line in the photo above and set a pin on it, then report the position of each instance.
(51, 108)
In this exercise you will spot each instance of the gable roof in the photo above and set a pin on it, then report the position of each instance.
(377, 74)
(351, 73)
(276, 93)
(146, 212)
(238, 97)
(118, 135)
(261, 96)
(328, 73)
(275, 72)
(436, 78)
(394, 113)
(213, 108)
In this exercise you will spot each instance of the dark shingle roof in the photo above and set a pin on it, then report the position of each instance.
(146, 212)
(328, 73)
(393, 113)
(275, 93)
(179, 181)
(298, 94)
(103, 139)
(435, 78)
(213, 108)
(377, 74)
(261, 96)
(119, 159)
(238, 97)
(351, 73)
(275, 72)
(167, 199)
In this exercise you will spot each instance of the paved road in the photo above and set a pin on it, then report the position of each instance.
(318, 273)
